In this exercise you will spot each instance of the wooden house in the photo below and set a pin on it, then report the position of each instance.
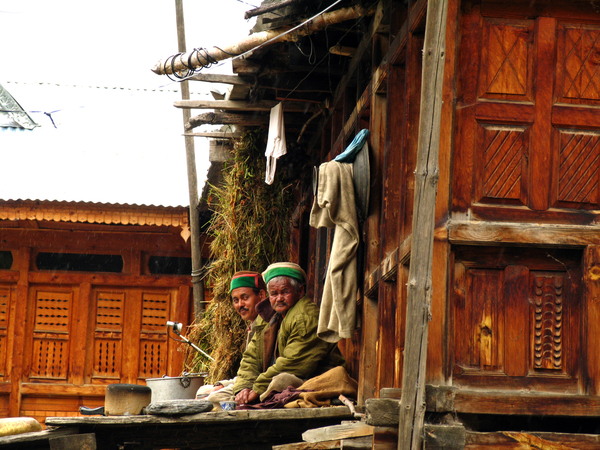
(86, 290)
(515, 259)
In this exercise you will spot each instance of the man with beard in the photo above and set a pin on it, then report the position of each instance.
(288, 351)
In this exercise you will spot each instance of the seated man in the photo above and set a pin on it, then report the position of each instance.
(289, 345)
(247, 289)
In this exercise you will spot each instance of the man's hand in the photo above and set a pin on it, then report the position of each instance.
(246, 396)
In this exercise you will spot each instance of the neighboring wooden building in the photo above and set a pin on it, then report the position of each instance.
(86, 290)
(516, 256)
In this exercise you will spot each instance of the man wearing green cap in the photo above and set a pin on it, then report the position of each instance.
(247, 290)
(289, 345)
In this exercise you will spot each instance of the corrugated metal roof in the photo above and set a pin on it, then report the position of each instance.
(11, 113)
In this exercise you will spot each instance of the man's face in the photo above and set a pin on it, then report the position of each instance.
(245, 300)
(282, 295)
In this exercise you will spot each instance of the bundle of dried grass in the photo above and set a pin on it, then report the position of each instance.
(250, 229)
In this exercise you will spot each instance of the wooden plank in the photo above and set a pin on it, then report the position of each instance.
(100, 279)
(522, 233)
(79, 332)
(385, 438)
(516, 319)
(264, 105)
(323, 445)
(28, 440)
(74, 442)
(234, 80)
(343, 431)
(359, 443)
(412, 410)
(17, 351)
(217, 134)
(591, 279)
(209, 418)
(530, 441)
(444, 437)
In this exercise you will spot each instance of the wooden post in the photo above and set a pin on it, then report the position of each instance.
(412, 405)
(197, 282)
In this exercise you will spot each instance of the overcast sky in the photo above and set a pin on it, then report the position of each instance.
(117, 137)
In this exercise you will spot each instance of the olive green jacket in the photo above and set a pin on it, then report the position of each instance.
(301, 351)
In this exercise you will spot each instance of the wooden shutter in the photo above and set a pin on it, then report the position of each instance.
(153, 334)
(108, 334)
(4, 316)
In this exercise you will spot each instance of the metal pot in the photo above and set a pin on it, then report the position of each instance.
(175, 388)
(122, 400)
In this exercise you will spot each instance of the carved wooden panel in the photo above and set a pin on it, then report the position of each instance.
(502, 165)
(579, 63)
(516, 318)
(506, 60)
(108, 334)
(579, 159)
(153, 336)
(4, 310)
(50, 355)
(547, 299)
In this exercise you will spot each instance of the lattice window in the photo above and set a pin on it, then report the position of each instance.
(4, 308)
(50, 358)
(153, 338)
(108, 334)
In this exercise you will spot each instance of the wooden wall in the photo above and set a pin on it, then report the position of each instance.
(65, 335)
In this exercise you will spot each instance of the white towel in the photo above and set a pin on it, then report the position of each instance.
(276, 146)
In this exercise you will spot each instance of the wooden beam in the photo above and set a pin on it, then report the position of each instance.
(507, 440)
(264, 105)
(444, 437)
(324, 445)
(183, 62)
(234, 80)
(498, 233)
(412, 410)
(263, 9)
(217, 134)
(243, 120)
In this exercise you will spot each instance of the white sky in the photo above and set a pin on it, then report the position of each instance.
(118, 137)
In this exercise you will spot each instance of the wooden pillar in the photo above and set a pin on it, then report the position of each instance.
(18, 322)
(591, 278)
(412, 406)
(197, 281)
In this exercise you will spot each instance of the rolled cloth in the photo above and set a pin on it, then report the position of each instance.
(286, 269)
(247, 278)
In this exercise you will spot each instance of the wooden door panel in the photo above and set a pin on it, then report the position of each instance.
(506, 60)
(153, 334)
(514, 324)
(501, 170)
(578, 77)
(108, 335)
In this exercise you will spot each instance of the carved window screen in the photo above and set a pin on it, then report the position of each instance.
(4, 310)
(50, 353)
(108, 334)
(153, 336)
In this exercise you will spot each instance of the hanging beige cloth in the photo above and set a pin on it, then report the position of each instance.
(276, 145)
(334, 206)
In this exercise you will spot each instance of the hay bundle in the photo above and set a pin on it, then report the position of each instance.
(250, 230)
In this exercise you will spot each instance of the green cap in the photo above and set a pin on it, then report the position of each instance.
(285, 269)
(247, 278)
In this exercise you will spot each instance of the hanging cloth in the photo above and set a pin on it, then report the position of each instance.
(276, 146)
(351, 151)
(334, 207)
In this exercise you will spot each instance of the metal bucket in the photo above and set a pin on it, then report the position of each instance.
(175, 388)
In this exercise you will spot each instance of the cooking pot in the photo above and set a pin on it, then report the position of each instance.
(122, 400)
(175, 388)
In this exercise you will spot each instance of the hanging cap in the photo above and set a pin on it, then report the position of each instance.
(247, 278)
(286, 269)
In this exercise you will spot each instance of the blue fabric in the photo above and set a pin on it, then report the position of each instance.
(357, 143)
